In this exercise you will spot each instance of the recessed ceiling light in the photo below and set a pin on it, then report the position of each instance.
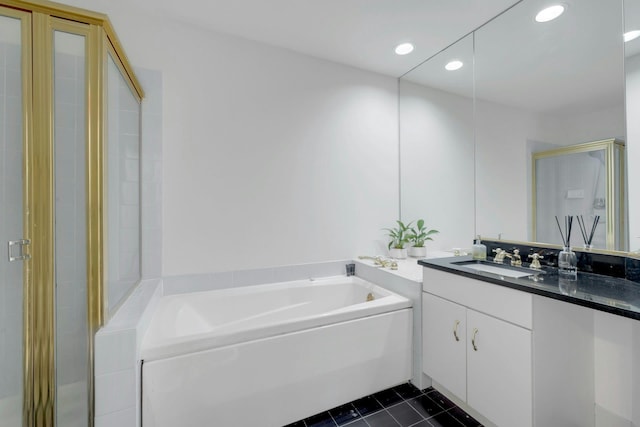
(404, 48)
(454, 65)
(631, 35)
(550, 13)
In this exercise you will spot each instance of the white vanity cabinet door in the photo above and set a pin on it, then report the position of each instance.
(499, 370)
(444, 355)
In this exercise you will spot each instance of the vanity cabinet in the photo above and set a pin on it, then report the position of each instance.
(484, 361)
(499, 370)
(515, 358)
(444, 353)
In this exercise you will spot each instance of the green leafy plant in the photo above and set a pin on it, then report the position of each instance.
(419, 234)
(399, 235)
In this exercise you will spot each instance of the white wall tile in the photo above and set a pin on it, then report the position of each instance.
(124, 268)
(5, 390)
(152, 297)
(2, 76)
(124, 418)
(65, 66)
(294, 272)
(332, 268)
(66, 88)
(151, 253)
(253, 277)
(197, 282)
(13, 76)
(115, 351)
(130, 168)
(151, 173)
(115, 391)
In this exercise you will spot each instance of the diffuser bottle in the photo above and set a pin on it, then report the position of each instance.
(567, 264)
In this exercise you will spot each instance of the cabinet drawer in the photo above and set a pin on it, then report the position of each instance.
(501, 302)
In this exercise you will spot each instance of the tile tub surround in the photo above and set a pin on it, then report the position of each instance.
(406, 281)
(117, 358)
(400, 406)
(227, 279)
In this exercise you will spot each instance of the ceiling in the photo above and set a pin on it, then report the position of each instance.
(360, 33)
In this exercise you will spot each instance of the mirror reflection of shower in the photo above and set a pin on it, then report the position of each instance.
(598, 192)
(574, 180)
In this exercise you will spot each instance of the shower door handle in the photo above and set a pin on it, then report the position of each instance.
(21, 256)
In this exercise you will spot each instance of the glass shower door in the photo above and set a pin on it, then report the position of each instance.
(12, 205)
(70, 151)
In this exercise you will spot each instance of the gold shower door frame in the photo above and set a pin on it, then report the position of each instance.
(39, 21)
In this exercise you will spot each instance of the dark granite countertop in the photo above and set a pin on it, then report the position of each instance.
(610, 294)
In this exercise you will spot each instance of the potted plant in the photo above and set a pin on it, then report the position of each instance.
(417, 236)
(399, 237)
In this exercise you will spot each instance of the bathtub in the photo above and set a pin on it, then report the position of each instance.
(269, 355)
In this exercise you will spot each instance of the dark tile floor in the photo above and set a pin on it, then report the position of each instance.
(401, 406)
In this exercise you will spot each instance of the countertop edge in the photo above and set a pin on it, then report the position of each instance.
(566, 298)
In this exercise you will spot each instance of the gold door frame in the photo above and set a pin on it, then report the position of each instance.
(27, 197)
(39, 19)
(615, 208)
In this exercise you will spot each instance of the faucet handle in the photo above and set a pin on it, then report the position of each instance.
(515, 257)
(500, 254)
(536, 260)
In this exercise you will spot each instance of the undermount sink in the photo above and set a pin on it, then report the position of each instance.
(499, 269)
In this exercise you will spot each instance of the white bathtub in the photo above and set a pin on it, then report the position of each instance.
(271, 354)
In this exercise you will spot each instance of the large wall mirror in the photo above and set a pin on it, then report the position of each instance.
(436, 144)
(535, 87)
(632, 74)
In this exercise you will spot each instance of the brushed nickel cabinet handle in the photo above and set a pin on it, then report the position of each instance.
(473, 339)
(455, 330)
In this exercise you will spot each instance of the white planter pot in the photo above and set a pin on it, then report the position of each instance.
(398, 253)
(418, 252)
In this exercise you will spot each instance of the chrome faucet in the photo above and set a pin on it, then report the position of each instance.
(516, 259)
(500, 254)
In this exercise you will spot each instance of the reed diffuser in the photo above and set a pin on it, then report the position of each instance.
(567, 260)
(588, 237)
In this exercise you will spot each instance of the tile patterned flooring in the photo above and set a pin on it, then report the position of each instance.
(401, 406)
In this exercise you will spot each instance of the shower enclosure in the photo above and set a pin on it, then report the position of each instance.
(69, 195)
(585, 180)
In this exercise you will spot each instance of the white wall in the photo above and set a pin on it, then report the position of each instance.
(437, 163)
(269, 157)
